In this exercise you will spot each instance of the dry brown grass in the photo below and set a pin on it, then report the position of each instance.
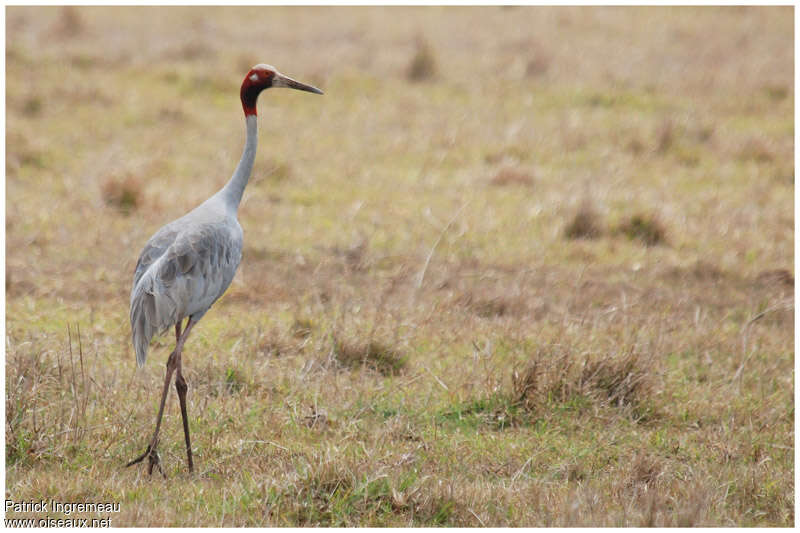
(68, 24)
(645, 227)
(619, 380)
(374, 355)
(585, 224)
(665, 135)
(334, 384)
(423, 64)
(124, 194)
(756, 149)
(510, 176)
(537, 65)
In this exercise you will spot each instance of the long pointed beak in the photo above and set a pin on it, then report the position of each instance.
(285, 81)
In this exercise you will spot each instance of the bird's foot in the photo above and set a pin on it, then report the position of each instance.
(152, 458)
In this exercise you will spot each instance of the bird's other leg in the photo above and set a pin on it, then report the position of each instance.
(150, 452)
(182, 387)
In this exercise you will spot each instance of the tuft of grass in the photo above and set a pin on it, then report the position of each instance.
(778, 277)
(302, 327)
(756, 149)
(776, 92)
(321, 487)
(69, 23)
(644, 227)
(616, 379)
(624, 378)
(278, 343)
(372, 354)
(636, 146)
(234, 381)
(585, 224)
(423, 65)
(488, 305)
(700, 271)
(32, 106)
(704, 133)
(492, 307)
(665, 135)
(123, 194)
(645, 469)
(537, 65)
(545, 379)
(507, 176)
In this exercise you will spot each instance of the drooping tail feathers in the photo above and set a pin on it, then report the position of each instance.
(153, 310)
(143, 323)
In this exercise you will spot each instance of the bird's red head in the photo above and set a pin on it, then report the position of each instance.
(263, 77)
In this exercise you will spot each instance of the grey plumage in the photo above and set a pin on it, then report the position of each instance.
(184, 268)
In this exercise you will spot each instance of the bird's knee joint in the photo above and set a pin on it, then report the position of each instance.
(180, 385)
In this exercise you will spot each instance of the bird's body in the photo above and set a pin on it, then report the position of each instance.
(184, 268)
(190, 262)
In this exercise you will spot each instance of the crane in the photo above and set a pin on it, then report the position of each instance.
(189, 263)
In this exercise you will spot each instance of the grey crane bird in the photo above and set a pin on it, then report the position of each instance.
(189, 263)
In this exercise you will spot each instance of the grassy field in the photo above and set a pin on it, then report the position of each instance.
(518, 266)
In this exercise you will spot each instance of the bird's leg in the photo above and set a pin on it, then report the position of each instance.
(182, 387)
(150, 452)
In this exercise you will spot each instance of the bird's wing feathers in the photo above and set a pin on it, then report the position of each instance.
(153, 250)
(181, 273)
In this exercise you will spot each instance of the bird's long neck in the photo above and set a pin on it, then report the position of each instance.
(233, 190)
